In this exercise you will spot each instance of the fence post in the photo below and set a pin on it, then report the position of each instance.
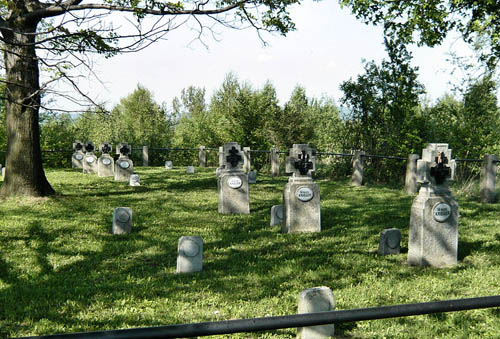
(246, 159)
(202, 156)
(488, 179)
(357, 166)
(411, 185)
(145, 156)
(275, 162)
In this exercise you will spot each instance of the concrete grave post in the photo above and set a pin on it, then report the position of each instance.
(411, 184)
(190, 254)
(357, 168)
(145, 156)
(78, 155)
(433, 236)
(105, 163)
(276, 215)
(488, 179)
(232, 182)
(275, 162)
(252, 177)
(89, 160)
(301, 200)
(390, 242)
(122, 220)
(312, 300)
(221, 161)
(202, 156)
(246, 159)
(124, 167)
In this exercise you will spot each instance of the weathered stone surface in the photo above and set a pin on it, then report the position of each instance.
(390, 242)
(252, 177)
(246, 159)
(488, 179)
(105, 166)
(122, 220)
(232, 156)
(301, 206)
(202, 156)
(276, 215)
(168, 164)
(77, 159)
(234, 197)
(411, 184)
(124, 168)
(145, 156)
(90, 163)
(312, 300)
(135, 180)
(301, 158)
(357, 168)
(190, 169)
(190, 254)
(275, 162)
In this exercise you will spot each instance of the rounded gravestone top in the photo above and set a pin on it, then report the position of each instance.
(393, 239)
(304, 194)
(106, 161)
(89, 159)
(441, 211)
(234, 182)
(279, 212)
(124, 164)
(78, 156)
(122, 215)
(190, 248)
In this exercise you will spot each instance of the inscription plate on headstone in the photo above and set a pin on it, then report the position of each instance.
(124, 164)
(190, 248)
(79, 156)
(89, 159)
(304, 194)
(106, 161)
(234, 182)
(441, 212)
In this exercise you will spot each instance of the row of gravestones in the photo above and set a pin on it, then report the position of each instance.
(105, 166)
(433, 236)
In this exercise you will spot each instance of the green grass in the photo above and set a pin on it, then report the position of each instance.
(62, 271)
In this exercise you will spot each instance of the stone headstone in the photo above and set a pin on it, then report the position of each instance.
(124, 167)
(168, 164)
(89, 159)
(276, 215)
(190, 254)
(105, 163)
(252, 177)
(312, 300)
(357, 168)
(275, 162)
(135, 180)
(77, 157)
(122, 220)
(301, 199)
(232, 182)
(488, 179)
(411, 184)
(390, 242)
(433, 236)
(190, 169)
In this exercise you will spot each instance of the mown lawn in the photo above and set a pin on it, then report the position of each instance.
(62, 271)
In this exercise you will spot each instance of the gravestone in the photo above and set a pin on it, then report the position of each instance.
(357, 168)
(190, 254)
(433, 236)
(122, 220)
(190, 169)
(276, 215)
(252, 177)
(124, 167)
(411, 184)
(390, 242)
(202, 156)
(301, 200)
(313, 300)
(488, 179)
(275, 162)
(168, 164)
(90, 159)
(77, 157)
(105, 163)
(135, 180)
(232, 182)
(246, 159)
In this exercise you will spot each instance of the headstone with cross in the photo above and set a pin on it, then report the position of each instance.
(301, 200)
(433, 238)
(124, 167)
(232, 182)
(90, 159)
(78, 155)
(105, 163)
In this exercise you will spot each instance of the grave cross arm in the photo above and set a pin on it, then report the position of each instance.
(303, 164)
(441, 171)
(233, 158)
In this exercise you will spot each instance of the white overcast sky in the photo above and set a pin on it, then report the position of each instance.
(326, 49)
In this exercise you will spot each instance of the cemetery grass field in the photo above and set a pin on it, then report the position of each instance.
(61, 270)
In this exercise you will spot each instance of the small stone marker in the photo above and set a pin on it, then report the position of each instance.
(488, 178)
(168, 164)
(252, 177)
(124, 167)
(190, 169)
(135, 180)
(276, 215)
(312, 300)
(390, 242)
(105, 163)
(89, 160)
(77, 157)
(433, 236)
(122, 220)
(190, 254)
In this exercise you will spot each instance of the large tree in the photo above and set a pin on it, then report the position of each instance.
(58, 35)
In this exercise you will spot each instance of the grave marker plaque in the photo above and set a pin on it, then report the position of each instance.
(77, 157)
(124, 167)
(105, 163)
(89, 159)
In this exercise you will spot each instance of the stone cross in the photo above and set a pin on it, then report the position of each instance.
(89, 147)
(436, 166)
(232, 158)
(78, 146)
(301, 161)
(123, 149)
(105, 148)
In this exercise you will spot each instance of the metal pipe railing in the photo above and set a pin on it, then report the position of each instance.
(290, 321)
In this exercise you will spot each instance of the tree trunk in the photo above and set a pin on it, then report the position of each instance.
(24, 175)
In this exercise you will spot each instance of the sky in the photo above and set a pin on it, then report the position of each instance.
(326, 49)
